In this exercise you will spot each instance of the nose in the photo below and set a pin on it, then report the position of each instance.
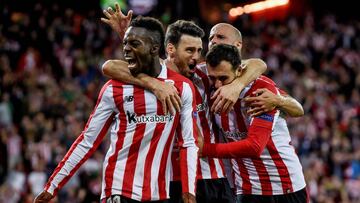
(213, 42)
(196, 56)
(126, 48)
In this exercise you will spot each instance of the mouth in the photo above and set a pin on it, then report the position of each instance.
(131, 61)
(192, 66)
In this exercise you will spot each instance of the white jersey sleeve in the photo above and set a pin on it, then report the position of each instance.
(84, 146)
(187, 135)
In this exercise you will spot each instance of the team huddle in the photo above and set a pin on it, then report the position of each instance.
(185, 131)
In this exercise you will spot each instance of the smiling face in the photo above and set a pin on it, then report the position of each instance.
(138, 49)
(187, 54)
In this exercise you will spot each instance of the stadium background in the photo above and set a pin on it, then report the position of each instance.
(51, 51)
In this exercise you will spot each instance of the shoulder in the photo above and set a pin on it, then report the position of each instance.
(177, 77)
(114, 86)
(263, 82)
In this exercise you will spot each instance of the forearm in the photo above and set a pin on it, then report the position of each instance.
(118, 70)
(290, 106)
(253, 69)
(250, 147)
(240, 149)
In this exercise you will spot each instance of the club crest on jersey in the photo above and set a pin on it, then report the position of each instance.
(134, 118)
(266, 117)
(201, 107)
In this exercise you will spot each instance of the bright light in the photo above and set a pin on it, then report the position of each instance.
(240, 10)
(258, 6)
(233, 12)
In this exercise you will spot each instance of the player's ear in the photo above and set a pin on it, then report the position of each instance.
(238, 71)
(238, 44)
(170, 50)
(155, 49)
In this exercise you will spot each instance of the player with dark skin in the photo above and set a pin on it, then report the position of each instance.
(141, 52)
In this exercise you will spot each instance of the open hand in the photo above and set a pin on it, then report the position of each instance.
(264, 101)
(117, 20)
(169, 97)
(225, 98)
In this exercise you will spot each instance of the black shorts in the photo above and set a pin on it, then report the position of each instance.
(300, 196)
(207, 191)
(122, 199)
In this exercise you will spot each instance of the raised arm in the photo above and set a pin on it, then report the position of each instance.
(267, 101)
(84, 146)
(187, 136)
(227, 95)
(118, 22)
(166, 93)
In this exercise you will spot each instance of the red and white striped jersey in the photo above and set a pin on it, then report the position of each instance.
(274, 167)
(137, 164)
(208, 168)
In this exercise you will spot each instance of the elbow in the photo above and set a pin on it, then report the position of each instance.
(256, 153)
(106, 67)
(300, 112)
(255, 150)
(260, 64)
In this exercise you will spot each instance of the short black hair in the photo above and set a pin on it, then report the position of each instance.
(223, 52)
(181, 27)
(153, 25)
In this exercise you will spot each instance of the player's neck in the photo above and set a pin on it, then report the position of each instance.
(170, 64)
(155, 69)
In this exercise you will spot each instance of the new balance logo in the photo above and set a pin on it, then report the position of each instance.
(133, 118)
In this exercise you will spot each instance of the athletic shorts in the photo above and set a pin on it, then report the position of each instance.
(122, 199)
(300, 196)
(207, 191)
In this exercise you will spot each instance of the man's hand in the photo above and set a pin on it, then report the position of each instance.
(188, 198)
(265, 101)
(168, 95)
(43, 197)
(117, 20)
(226, 96)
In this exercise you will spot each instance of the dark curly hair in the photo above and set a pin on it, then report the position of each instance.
(223, 52)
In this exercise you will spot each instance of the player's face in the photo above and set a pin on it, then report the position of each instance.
(137, 49)
(222, 74)
(222, 34)
(187, 54)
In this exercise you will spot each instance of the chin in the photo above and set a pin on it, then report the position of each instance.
(134, 71)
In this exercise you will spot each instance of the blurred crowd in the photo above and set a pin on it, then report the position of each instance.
(50, 76)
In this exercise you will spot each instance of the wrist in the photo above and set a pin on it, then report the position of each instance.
(239, 84)
(279, 101)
